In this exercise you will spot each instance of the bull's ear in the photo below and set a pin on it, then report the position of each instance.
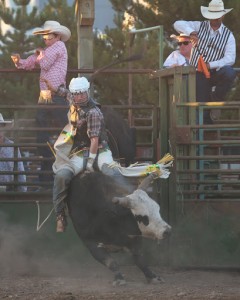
(124, 201)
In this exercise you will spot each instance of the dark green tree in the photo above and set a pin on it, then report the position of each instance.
(114, 89)
(161, 12)
(15, 88)
(114, 44)
(18, 88)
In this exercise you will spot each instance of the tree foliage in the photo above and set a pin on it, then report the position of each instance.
(16, 87)
(149, 13)
(116, 43)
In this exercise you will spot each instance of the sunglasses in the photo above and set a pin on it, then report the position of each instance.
(183, 43)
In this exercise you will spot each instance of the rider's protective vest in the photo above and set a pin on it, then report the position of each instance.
(81, 139)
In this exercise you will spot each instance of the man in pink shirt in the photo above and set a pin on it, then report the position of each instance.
(52, 60)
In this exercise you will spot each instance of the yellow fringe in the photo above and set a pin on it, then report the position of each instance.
(155, 168)
(53, 152)
(166, 158)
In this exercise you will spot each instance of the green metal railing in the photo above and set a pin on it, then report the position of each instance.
(201, 199)
(160, 39)
(24, 136)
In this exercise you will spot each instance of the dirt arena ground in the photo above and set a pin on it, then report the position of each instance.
(95, 282)
(45, 266)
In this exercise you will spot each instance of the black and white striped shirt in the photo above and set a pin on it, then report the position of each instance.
(218, 47)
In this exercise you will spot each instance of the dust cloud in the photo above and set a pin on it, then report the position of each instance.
(25, 251)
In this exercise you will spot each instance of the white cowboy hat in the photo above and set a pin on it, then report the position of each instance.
(177, 37)
(8, 123)
(54, 27)
(215, 10)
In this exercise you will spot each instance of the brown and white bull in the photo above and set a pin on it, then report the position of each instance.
(103, 218)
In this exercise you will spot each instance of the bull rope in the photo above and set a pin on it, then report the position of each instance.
(39, 215)
(37, 202)
(38, 219)
(53, 152)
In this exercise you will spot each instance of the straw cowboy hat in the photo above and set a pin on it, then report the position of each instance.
(177, 37)
(8, 123)
(54, 27)
(215, 10)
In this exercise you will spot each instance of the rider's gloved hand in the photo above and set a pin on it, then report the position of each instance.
(90, 162)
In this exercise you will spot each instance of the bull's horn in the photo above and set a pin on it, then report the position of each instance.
(146, 182)
(124, 201)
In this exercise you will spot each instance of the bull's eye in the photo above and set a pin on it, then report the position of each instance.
(142, 219)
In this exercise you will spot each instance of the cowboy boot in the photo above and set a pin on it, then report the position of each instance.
(61, 222)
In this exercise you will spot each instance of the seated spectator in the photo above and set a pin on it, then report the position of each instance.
(216, 44)
(181, 56)
(8, 152)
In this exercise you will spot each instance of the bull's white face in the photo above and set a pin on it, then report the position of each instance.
(147, 214)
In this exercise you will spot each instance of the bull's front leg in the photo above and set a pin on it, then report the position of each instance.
(102, 256)
(139, 259)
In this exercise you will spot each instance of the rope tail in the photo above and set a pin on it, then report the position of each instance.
(51, 148)
(39, 216)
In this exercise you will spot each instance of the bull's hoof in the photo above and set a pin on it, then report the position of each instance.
(155, 280)
(119, 282)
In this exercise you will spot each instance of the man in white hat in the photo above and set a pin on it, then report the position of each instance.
(181, 56)
(8, 152)
(217, 45)
(52, 60)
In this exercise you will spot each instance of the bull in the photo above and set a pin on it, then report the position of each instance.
(120, 135)
(105, 213)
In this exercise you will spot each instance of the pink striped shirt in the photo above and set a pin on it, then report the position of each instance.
(53, 63)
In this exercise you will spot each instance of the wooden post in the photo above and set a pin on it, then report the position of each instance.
(176, 85)
(85, 19)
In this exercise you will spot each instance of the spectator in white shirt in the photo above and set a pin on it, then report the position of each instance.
(8, 166)
(217, 45)
(181, 56)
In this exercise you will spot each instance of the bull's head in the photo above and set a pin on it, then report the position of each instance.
(146, 212)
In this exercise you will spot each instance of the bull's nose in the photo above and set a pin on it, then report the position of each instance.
(167, 232)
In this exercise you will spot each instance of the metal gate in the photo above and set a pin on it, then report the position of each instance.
(200, 199)
(18, 209)
(202, 196)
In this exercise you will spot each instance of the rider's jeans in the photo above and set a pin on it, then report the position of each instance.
(62, 181)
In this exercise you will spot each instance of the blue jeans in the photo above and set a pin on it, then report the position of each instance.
(62, 181)
(222, 79)
(49, 118)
